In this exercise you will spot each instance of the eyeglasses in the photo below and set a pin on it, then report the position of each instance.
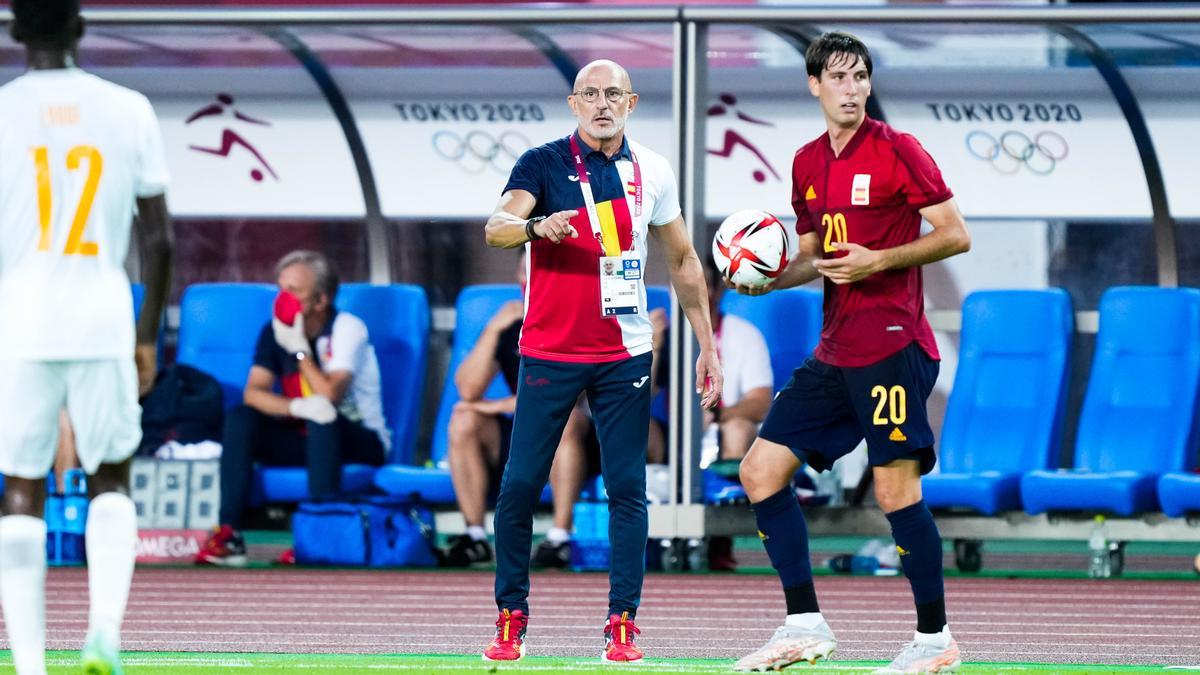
(613, 94)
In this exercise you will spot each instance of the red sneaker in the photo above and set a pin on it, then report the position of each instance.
(288, 557)
(509, 644)
(224, 547)
(619, 634)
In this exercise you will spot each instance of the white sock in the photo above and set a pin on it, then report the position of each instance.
(806, 621)
(23, 590)
(476, 533)
(111, 549)
(939, 639)
(557, 535)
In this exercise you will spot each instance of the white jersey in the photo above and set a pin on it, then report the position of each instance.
(744, 358)
(75, 153)
(348, 347)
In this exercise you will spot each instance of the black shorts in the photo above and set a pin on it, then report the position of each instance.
(825, 411)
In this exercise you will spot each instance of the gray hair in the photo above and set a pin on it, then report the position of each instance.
(326, 276)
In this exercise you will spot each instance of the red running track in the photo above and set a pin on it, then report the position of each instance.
(723, 616)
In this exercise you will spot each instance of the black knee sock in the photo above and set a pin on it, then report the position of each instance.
(785, 536)
(920, 547)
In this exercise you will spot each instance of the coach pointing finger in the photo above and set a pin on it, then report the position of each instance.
(586, 329)
(555, 227)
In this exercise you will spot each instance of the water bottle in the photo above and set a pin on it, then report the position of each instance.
(697, 554)
(74, 519)
(53, 514)
(584, 520)
(673, 559)
(1099, 565)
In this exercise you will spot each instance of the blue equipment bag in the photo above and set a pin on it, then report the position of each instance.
(372, 531)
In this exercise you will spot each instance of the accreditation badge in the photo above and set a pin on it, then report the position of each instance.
(619, 277)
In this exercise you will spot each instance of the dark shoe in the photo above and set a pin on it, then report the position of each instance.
(720, 555)
(224, 547)
(465, 551)
(548, 555)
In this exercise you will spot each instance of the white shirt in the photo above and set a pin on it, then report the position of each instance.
(744, 358)
(746, 364)
(75, 153)
(348, 348)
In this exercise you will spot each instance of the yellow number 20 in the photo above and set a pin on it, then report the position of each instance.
(835, 230)
(75, 156)
(896, 402)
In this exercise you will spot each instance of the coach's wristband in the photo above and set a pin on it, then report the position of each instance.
(529, 233)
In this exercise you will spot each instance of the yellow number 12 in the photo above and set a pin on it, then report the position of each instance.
(41, 160)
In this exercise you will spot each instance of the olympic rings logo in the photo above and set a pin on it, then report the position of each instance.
(479, 150)
(1014, 149)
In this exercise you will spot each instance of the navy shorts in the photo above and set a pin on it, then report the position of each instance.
(824, 411)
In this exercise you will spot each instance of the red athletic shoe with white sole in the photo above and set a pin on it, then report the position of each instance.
(619, 634)
(509, 644)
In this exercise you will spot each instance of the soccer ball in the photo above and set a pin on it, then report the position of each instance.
(751, 248)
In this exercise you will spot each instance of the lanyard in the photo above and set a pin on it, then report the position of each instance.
(607, 234)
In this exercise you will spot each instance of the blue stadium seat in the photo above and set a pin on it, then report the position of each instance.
(658, 297)
(218, 330)
(1005, 413)
(1138, 412)
(430, 484)
(139, 295)
(397, 318)
(789, 320)
(790, 323)
(475, 307)
(1179, 493)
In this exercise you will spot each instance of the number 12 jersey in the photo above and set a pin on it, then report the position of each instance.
(76, 152)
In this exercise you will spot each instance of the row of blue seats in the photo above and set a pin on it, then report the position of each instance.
(1002, 432)
(1001, 438)
(219, 324)
(1135, 444)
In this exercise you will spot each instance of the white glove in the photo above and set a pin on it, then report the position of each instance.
(291, 338)
(315, 408)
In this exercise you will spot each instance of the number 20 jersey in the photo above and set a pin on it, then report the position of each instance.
(870, 195)
(75, 153)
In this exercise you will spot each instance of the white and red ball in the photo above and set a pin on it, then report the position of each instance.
(751, 248)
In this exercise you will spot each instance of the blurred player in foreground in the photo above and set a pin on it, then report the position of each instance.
(78, 154)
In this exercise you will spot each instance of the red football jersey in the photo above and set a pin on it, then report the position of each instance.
(869, 195)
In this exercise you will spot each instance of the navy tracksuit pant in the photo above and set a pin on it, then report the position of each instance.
(619, 397)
